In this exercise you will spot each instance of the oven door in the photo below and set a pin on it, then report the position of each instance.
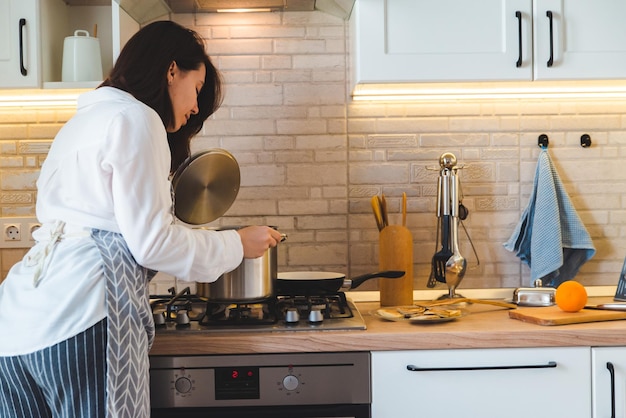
(294, 385)
(305, 411)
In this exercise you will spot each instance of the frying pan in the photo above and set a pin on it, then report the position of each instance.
(205, 186)
(323, 282)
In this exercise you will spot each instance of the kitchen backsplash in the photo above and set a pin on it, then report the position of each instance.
(311, 159)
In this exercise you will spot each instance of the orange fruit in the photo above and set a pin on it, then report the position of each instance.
(571, 296)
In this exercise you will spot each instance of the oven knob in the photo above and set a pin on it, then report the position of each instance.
(183, 385)
(290, 382)
(292, 316)
(159, 318)
(182, 318)
(315, 316)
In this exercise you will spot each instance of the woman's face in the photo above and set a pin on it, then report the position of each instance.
(184, 87)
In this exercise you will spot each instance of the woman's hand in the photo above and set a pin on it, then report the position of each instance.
(257, 239)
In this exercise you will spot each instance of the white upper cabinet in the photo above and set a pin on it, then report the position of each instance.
(453, 40)
(588, 39)
(19, 43)
(32, 34)
(487, 40)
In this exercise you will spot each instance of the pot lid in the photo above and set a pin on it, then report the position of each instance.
(205, 186)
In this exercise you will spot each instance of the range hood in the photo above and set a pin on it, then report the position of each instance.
(341, 8)
(146, 10)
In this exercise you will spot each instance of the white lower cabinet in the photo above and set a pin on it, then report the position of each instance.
(609, 382)
(486, 383)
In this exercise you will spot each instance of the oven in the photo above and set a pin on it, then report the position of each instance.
(261, 385)
(289, 385)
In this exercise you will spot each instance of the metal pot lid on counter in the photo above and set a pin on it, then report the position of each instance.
(205, 186)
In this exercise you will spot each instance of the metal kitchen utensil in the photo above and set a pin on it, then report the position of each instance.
(534, 296)
(444, 302)
(443, 212)
(442, 256)
(456, 264)
(205, 186)
(613, 306)
(432, 281)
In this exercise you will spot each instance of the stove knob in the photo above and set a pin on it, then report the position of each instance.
(315, 316)
(292, 316)
(159, 318)
(290, 382)
(183, 385)
(182, 318)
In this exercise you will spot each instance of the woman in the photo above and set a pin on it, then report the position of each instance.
(75, 320)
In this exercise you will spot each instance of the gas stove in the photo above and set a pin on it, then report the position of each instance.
(186, 312)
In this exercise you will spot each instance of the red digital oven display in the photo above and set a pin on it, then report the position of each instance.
(236, 383)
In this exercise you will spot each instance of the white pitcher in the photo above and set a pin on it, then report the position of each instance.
(81, 58)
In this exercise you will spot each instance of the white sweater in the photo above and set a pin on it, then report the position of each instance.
(108, 168)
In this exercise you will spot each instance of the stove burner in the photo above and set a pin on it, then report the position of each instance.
(331, 306)
(240, 312)
(183, 304)
(284, 312)
(229, 314)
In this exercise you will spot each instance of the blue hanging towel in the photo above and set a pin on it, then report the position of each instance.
(550, 237)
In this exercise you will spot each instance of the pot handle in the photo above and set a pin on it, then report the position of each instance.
(388, 274)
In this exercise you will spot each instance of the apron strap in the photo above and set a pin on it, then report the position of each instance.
(40, 259)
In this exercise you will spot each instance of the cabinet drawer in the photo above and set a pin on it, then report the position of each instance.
(609, 382)
(542, 382)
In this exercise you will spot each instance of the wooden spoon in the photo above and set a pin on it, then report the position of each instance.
(403, 209)
(378, 215)
(383, 207)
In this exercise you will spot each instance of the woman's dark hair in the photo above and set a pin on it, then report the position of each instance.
(141, 70)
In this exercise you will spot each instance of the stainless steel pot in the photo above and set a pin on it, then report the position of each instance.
(254, 280)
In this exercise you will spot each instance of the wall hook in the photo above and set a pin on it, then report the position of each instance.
(585, 141)
(543, 141)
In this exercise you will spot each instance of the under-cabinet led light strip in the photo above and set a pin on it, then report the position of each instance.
(258, 10)
(39, 98)
(614, 89)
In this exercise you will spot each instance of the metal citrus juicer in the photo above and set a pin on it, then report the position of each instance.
(448, 265)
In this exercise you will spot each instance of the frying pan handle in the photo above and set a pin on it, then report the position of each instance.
(388, 274)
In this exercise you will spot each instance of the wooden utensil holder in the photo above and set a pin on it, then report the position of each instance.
(396, 253)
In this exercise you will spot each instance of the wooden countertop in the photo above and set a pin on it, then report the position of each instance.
(484, 327)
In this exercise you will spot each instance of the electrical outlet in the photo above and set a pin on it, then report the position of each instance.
(18, 232)
(12, 232)
(32, 227)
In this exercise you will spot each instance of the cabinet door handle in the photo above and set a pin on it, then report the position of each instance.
(21, 29)
(609, 366)
(551, 60)
(548, 365)
(518, 15)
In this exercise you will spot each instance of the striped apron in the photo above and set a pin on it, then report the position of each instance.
(130, 331)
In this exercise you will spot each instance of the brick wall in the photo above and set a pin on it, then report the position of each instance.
(311, 159)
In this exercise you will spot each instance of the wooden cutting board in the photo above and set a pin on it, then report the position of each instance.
(553, 315)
